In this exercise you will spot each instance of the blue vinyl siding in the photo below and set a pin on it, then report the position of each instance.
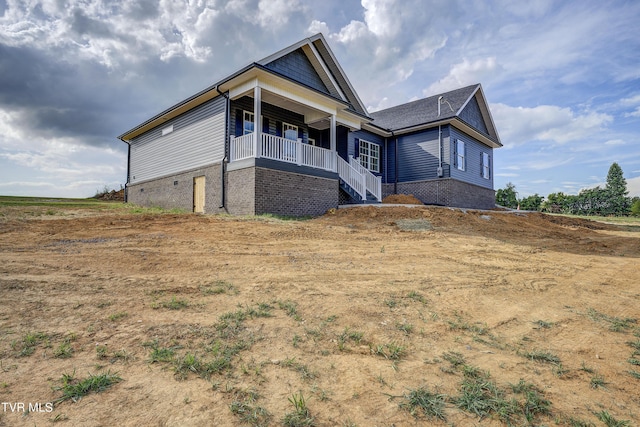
(296, 66)
(473, 116)
(418, 156)
(273, 117)
(390, 164)
(473, 155)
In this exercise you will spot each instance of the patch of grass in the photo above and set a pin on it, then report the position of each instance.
(460, 324)
(479, 396)
(301, 416)
(244, 407)
(73, 389)
(349, 335)
(610, 421)
(616, 324)
(102, 352)
(456, 359)
(390, 351)
(172, 304)
(160, 354)
(634, 361)
(289, 307)
(303, 370)
(63, 351)
(634, 374)
(542, 356)
(391, 303)
(28, 344)
(417, 296)
(118, 316)
(422, 402)
(407, 328)
(218, 287)
(597, 381)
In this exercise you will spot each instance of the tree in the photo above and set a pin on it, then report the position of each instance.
(556, 203)
(531, 203)
(616, 189)
(635, 206)
(507, 196)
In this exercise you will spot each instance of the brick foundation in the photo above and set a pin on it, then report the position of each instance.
(287, 193)
(446, 192)
(176, 191)
(249, 191)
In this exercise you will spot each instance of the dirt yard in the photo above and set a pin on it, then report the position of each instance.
(390, 316)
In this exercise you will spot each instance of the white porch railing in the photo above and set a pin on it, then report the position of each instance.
(241, 147)
(374, 183)
(352, 177)
(284, 150)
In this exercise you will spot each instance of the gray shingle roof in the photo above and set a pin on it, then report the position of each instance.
(423, 111)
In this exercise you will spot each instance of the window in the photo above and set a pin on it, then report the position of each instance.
(369, 155)
(460, 155)
(247, 122)
(290, 131)
(486, 170)
(312, 141)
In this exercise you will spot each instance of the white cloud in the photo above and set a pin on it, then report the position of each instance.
(519, 125)
(635, 113)
(463, 74)
(633, 186)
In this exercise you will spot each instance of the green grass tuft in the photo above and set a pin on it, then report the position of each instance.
(73, 389)
(422, 402)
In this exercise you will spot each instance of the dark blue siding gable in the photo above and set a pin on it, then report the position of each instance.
(473, 116)
(473, 160)
(296, 66)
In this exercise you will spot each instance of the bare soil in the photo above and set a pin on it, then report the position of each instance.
(353, 310)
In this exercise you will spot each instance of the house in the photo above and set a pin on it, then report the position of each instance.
(289, 135)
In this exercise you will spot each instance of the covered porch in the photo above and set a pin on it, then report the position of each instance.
(282, 124)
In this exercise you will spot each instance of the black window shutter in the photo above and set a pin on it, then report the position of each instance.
(278, 128)
(238, 123)
(356, 148)
(455, 153)
(265, 125)
(481, 164)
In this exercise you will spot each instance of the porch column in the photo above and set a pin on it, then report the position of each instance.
(257, 118)
(332, 133)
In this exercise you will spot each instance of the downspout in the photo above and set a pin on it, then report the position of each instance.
(226, 147)
(395, 184)
(126, 185)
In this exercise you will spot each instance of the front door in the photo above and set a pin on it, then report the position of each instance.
(198, 194)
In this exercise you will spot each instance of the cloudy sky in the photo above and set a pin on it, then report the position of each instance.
(562, 77)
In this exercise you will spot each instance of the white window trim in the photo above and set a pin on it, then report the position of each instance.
(460, 155)
(311, 141)
(244, 120)
(368, 159)
(486, 165)
(289, 126)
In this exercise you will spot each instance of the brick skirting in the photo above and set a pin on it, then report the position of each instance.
(446, 192)
(249, 191)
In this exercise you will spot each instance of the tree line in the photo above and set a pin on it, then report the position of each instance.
(612, 200)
